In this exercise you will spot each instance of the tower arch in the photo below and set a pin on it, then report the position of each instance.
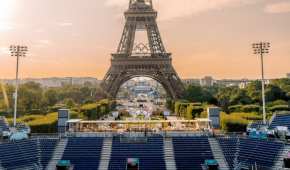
(148, 60)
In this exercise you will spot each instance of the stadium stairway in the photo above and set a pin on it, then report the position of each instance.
(218, 154)
(106, 154)
(169, 154)
(38, 149)
(280, 159)
(57, 154)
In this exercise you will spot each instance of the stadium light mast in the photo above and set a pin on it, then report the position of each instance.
(262, 48)
(17, 51)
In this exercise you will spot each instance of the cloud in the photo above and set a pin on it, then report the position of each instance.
(4, 51)
(42, 43)
(5, 27)
(65, 24)
(39, 30)
(280, 7)
(171, 9)
(46, 42)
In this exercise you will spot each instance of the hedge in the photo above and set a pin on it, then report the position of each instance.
(235, 108)
(279, 108)
(40, 123)
(250, 108)
(97, 110)
(237, 122)
(244, 108)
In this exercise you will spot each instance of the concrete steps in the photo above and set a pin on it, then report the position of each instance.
(218, 154)
(169, 154)
(57, 154)
(106, 154)
(39, 154)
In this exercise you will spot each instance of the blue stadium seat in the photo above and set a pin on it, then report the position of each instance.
(84, 153)
(229, 147)
(256, 124)
(47, 147)
(250, 151)
(191, 152)
(16, 154)
(281, 120)
(150, 154)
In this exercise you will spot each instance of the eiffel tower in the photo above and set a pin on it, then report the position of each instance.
(142, 60)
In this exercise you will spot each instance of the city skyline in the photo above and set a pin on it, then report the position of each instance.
(212, 38)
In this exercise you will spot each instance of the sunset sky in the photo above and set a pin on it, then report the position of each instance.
(206, 37)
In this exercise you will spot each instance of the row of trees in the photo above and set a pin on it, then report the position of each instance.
(239, 106)
(232, 99)
(33, 98)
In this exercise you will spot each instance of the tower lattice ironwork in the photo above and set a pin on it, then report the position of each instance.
(138, 60)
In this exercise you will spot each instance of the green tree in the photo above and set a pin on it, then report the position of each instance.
(284, 84)
(273, 93)
(30, 97)
(224, 98)
(196, 93)
(51, 96)
(239, 96)
(254, 91)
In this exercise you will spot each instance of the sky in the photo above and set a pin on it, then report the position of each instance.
(206, 37)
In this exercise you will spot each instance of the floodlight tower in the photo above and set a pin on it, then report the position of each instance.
(262, 48)
(17, 51)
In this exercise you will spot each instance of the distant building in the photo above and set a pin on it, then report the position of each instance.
(57, 82)
(207, 81)
(288, 75)
(188, 82)
(241, 83)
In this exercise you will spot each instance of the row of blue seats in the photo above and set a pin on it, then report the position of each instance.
(250, 151)
(47, 147)
(25, 153)
(191, 152)
(150, 154)
(256, 124)
(281, 120)
(84, 153)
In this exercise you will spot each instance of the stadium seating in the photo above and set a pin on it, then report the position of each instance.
(281, 120)
(16, 154)
(47, 147)
(230, 149)
(84, 153)
(256, 124)
(191, 152)
(150, 154)
(250, 151)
